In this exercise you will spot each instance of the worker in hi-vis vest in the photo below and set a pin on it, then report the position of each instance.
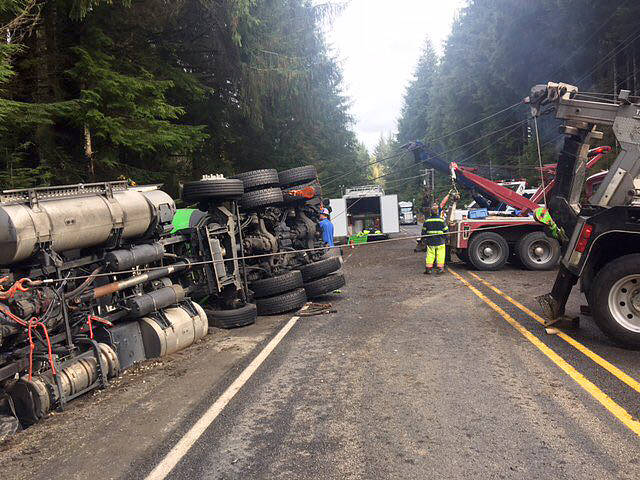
(434, 229)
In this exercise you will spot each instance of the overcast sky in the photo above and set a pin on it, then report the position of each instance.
(378, 43)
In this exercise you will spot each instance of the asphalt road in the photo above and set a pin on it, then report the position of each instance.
(414, 377)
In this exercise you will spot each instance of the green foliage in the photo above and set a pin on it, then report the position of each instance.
(166, 91)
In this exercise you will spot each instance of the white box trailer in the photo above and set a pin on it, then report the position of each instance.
(364, 208)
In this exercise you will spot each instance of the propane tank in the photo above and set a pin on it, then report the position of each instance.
(78, 219)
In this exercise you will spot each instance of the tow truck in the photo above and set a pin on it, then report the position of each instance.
(487, 243)
(602, 246)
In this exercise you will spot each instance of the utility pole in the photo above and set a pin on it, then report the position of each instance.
(428, 187)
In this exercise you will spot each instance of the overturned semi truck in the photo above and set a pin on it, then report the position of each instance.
(97, 277)
(93, 280)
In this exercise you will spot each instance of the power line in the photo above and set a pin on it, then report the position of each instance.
(342, 175)
(477, 122)
(584, 43)
(613, 52)
(485, 136)
(488, 146)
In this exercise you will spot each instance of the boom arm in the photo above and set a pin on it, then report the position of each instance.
(580, 120)
(466, 178)
(617, 189)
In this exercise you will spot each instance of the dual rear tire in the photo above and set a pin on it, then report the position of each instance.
(280, 294)
(490, 251)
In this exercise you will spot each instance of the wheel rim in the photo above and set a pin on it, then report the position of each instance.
(624, 302)
(540, 251)
(489, 252)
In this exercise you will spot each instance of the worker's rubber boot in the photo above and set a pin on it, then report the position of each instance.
(428, 271)
(440, 271)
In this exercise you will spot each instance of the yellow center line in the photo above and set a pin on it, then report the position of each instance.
(615, 371)
(619, 412)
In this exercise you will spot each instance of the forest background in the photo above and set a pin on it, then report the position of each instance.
(165, 91)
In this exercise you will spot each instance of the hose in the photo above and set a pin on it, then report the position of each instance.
(83, 286)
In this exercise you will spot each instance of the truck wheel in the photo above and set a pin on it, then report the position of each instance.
(282, 303)
(254, 179)
(615, 300)
(214, 189)
(238, 317)
(320, 268)
(488, 251)
(324, 285)
(298, 175)
(536, 251)
(268, 287)
(262, 198)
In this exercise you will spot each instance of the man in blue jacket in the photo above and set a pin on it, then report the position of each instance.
(327, 228)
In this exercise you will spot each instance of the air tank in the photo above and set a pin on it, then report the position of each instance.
(74, 217)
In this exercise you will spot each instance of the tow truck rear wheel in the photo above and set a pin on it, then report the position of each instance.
(488, 251)
(536, 251)
(615, 300)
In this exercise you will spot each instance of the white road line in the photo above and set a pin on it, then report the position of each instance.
(189, 439)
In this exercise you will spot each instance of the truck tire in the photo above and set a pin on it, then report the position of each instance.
(324, 285)
(214, 189)
(268, 287)
(239, 317)
(488, 251)
(262, 198)
(282, 303)
(321, 268)
(536, 251)
(255, 179)
(298, 175)
(615, 300)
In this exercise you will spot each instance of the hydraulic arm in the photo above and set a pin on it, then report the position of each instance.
(478, 185)
(617, 189)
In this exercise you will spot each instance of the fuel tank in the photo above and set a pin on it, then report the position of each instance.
(76, 216)
(178, 329)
